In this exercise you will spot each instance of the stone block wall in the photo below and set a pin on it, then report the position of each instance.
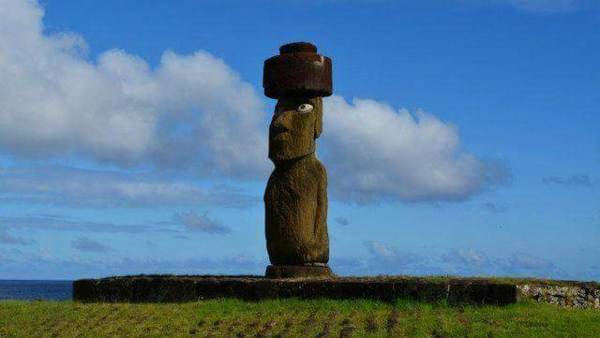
(575, 296)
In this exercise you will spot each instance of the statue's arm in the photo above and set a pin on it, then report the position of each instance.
(321, 213)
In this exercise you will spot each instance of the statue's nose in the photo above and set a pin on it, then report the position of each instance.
(283, 121)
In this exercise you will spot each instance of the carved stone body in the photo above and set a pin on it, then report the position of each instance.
(296, 194)
(296, 213)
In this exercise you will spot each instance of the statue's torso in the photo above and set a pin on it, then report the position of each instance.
(295, 211)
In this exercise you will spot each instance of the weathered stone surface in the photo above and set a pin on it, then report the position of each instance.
(193, 288)
(298, 271)
(296, 193)
(481, 292)
(293, 134)
(577, 295)
(298, 47)
(455, 291)
(296, 211)
(297, 71)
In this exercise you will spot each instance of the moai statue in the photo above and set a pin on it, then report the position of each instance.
(296, 194)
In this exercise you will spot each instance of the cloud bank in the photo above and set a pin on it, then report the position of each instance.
(20, 265)
(84, 188)
(194, 222)
(7, 238)
(573, 180)
(61, 223)
(179, 223)
(189, 110)
(386, 259)
(85, 244)
(193, 113)
(375, 152)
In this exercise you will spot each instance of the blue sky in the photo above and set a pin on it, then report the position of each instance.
(462, 137)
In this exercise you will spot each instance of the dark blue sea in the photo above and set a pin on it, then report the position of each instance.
(36, 289)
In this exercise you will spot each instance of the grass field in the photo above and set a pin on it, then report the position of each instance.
(293, 318)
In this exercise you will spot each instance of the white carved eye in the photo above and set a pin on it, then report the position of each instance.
(305, 108)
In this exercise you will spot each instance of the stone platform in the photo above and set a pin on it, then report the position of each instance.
(298, 271)
(169, 288)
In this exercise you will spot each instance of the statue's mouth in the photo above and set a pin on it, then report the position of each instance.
(278, 130)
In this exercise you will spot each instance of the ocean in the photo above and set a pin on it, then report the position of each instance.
(36, 289)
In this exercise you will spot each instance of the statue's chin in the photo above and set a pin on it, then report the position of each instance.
(280, 151)
(282, 156)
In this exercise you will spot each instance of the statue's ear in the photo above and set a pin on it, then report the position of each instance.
(318, 116)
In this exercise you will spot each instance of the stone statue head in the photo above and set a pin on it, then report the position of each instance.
(298, 78)
(296, 124)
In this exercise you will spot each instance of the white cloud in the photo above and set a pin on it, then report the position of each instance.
(180, 222)
(380, 250)
(523, 263)
(194, 222)
(473, 262)
(190, 109)
(19, 265)
(342, 220)
(85, 244)
(194, 113)
(388, 259)
(7, 238)
(75, 187)
(494, 208)
(61, 223)
(572, 180)
(375, 152)
(465, 258)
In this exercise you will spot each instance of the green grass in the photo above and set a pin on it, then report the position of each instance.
(293, 318)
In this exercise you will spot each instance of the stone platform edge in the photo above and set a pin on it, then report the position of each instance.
(168, 288)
